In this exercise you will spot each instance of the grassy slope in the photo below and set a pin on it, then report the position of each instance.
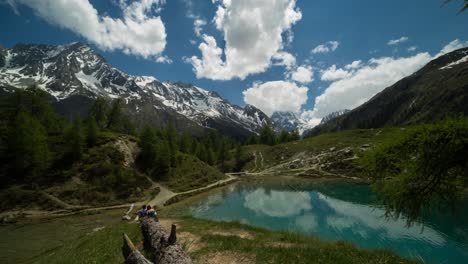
(191, 173)
(350, 138)
(89, 183)
(261, 246)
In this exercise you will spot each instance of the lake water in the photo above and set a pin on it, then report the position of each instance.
(338, 211)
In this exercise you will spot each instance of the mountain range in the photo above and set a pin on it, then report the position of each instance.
(438, 89)
(75, 75)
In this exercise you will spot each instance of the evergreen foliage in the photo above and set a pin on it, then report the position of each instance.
(29, 152)
(424, 168)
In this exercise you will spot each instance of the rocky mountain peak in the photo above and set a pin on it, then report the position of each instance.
(75, 69)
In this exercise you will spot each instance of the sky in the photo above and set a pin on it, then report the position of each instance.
(311, 57)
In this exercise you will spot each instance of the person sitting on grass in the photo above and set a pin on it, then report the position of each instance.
(151, 212)
(142, 212)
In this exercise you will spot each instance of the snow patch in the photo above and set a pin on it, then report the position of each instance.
(449, 66)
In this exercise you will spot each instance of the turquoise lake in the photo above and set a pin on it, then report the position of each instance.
(338, 211)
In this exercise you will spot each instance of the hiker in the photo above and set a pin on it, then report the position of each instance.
(142, 212)
(151, 212)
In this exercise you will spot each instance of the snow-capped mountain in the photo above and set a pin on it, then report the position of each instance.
(72, 71)
(286, 121)
(333, 115)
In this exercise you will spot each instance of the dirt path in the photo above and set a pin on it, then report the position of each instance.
(257, 168)
(165, 194)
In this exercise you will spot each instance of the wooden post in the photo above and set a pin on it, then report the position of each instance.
(172, 237)
(131, 254)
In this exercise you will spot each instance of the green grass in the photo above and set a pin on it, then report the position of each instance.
(349, 138)
(72, 240)
(67, 239)
(191, 173)
(280, 247)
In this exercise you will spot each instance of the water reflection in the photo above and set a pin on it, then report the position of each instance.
(277, 203)
(360, 218)
(317, 213)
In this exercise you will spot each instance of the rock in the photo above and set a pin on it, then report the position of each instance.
(126, 218)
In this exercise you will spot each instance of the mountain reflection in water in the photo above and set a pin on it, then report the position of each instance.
(337, 211)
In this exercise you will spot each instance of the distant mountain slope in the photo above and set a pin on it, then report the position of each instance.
(287, 121)
(75, 75)
(439, 88)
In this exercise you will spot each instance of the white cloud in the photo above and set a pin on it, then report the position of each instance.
(359, 86)
(278, 203)
(252, 32)
(454, 45)
(276, 96)
(138, 32)
(330, 46)
(354, 65)
(412, 48)
(198, 23)
(333, 74)
(164, 59)
(303, 74)
(367, 80)
(285, 59)
(397, 41)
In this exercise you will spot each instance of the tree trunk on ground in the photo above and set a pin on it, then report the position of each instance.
(166, 248)
(131, 254)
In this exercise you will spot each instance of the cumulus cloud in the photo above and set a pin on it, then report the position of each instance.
(363, 80)
(285, 59)
(252, 32)
(139, 32)
(354, 65)
(198, 24)
(394, 42)
(333, 74)
(303, 74)
(454, 45)
(330, 46)
(276, 96)
(357, 87)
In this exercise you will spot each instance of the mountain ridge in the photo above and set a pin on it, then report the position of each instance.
(74, 72)
(438, 89)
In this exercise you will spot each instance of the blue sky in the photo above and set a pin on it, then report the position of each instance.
(255, 34)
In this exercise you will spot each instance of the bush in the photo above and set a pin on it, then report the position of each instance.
(423, 168)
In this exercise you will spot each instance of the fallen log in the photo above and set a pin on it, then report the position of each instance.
(166, 248)
(131, 254)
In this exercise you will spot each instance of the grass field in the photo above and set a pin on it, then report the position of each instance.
(273, 155)
(98, 239)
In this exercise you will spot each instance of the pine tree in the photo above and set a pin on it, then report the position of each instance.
(267, 136)
(114, 120)
(28, 148)
(222, 155)
(202, 153)
(171, 136)
(147, 144)
(91, 131)
(185, 143)
(294, 136)
(99, 110)
(75, 140)
(127, 126)
(252, 140)
(238, 158)
(163, 162)
(210, 157)
(284, 137)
